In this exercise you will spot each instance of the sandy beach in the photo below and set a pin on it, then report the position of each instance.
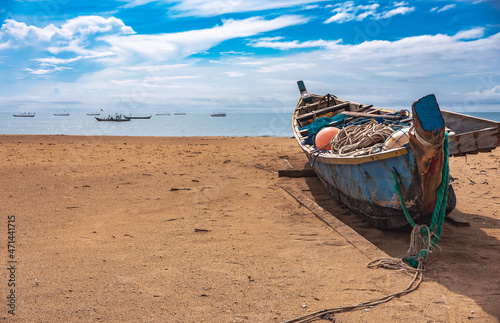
(153, 229)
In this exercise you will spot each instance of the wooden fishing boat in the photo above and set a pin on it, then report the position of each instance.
(364, 178)
(24, 115)
(137, 117)
(116, 118)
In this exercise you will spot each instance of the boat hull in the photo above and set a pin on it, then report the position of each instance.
(111, 119)
(368, 190)
(130, 118)
(24, 115)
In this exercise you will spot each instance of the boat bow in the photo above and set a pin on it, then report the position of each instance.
(426, 140)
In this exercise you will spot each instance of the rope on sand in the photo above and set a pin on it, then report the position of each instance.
(387, 263)
(357, 140)
(423, 241)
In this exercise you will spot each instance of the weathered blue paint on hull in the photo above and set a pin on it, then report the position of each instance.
(368, 189)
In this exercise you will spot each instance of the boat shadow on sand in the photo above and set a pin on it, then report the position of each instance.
(466, 262)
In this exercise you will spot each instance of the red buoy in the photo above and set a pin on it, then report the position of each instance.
(324, 137)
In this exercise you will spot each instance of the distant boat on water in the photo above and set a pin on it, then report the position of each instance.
(117, 117)
(93, 113)
(143, 117)
(24, 114)
(218, 114)
(61, 114)
(180, 113)
(163, 114)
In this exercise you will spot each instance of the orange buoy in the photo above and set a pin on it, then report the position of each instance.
(324, 137)
(397, 139)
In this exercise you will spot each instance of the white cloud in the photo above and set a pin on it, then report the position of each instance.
(447, 7)
(397, 11)
(341, 17)
(234, 74)
(161, 47)
(154, 67)
(79, 36)
(348, 11)
(494, 91)
(285, 67)
(251, 63)
(152, 80)
(469, 34)
(43, 71)
(390, 73)
(488, 93)
(277, 44)
(426, 44)
(136, 3)
(5, 45)
(309, 7)
(210, 8)
(439, 47)
(75, 32)
(50, 61)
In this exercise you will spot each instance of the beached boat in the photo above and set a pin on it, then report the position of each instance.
(472, 134)
(117, 118)
(24, 114)
(397, 148)
(137, 117)
(219, 114)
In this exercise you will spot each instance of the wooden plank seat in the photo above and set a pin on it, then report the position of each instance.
(314, 114)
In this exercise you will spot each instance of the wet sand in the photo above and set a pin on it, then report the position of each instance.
(190, 230)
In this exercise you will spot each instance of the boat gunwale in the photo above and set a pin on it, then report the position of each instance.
(466, 116)
(329, 158)
(475, 131)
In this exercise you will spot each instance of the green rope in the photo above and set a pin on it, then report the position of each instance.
(436, 226)
(397, 189)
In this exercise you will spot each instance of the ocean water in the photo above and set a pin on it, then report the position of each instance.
(194, 124)
(495, 116)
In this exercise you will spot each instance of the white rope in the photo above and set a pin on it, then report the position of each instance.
(356, 140)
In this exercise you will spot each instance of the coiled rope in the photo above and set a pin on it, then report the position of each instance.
(356, 140)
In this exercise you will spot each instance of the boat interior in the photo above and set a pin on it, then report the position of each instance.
(339, 113)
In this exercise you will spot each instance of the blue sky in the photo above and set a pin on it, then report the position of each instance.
(246, 55)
